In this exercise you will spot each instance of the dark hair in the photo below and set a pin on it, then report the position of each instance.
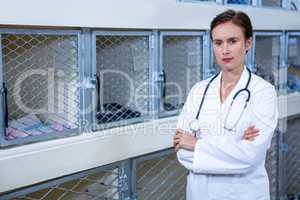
(238, 18)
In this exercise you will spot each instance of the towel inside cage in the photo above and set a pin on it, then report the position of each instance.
(111, 112)
(115, 112)
(170, 107)
(36, 124)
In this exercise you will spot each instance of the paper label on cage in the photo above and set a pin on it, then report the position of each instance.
(275, 47)
(193, 59)
(293, 51)
(139, 63)
(293, 47)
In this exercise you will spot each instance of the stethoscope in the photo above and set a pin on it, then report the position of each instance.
(194, 124)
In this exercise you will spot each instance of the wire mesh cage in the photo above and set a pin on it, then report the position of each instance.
(272, 166)
(182, 63)
(197, 0)
(240, 2)
(271, 3)
(161, 178)
(293, 80)
(122, 71)
(40, 77)
(293, 5)
(292, 138)
(267, 57)
(101, 185)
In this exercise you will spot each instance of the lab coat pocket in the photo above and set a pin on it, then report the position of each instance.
(223, 191)
(250, 191)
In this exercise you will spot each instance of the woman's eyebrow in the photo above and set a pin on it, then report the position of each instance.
(217, 40)
(220, 40)
(232, 38)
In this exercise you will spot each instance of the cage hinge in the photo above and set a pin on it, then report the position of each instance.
(88, 83)
(284, 147)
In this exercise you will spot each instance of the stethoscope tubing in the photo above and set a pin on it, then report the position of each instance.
(233, 99)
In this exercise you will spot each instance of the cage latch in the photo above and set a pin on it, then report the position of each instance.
(88, 83)
(159, 76)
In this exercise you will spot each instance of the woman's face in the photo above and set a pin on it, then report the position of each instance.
(229, 45)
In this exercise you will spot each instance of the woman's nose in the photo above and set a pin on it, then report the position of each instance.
(225, 49)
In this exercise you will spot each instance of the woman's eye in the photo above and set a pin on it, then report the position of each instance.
(232, 41)
(217, 43)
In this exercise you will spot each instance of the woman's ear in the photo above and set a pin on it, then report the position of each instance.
(248, 44)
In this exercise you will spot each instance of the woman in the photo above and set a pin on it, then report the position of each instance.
(226, 158)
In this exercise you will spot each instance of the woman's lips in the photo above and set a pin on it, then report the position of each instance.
(227, 60)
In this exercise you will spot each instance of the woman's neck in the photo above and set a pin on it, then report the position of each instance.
(228, 80)
(231, 77)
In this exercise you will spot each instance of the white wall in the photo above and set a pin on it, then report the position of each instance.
(148, 14)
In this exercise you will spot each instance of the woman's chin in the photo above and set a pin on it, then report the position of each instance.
(229, 66)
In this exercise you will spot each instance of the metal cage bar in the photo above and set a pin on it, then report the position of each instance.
(110, 112)
(292, 61)
(271, 4)
(98, 183)
(292, 158)
(173, 93)
(40, 57)
(268, 74)
(153, 179)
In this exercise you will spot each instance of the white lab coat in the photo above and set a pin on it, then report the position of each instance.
(223, 166)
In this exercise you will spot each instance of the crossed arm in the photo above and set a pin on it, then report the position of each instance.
(224, 155)
(185, 140)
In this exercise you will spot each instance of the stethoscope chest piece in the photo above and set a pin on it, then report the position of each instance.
(194, 126)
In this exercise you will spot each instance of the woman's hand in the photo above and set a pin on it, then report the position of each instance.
(184, 140)
(250, 133)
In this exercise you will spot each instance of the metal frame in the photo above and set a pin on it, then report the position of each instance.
(287, 6)
(96, 33)
(126, 177)
(85, 98)
(154, 69)
(136, 161)
(282, 5)
(2, 125)
(87, 66)
(281, 158)
(284, 147)
(263, 33)
(197, 1)
(33, 188)
(201, 34)
(55, 134)
(287, 35)
(253, 3)
(286, 49)
(207, 56)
